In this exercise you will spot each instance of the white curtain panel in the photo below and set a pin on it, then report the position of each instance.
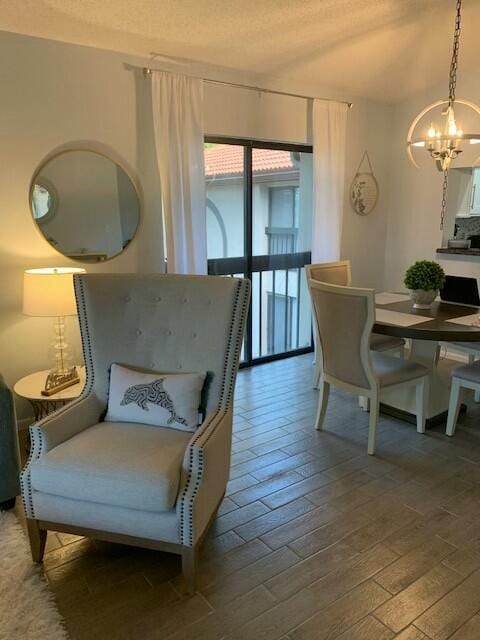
(178, 123)
(329, 129)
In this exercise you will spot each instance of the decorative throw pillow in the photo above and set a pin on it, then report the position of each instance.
(160, 399)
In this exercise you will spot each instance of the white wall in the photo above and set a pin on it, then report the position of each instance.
(415, 194)
(54, 94)
(364, 237)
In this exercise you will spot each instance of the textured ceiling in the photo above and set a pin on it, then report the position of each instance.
(383, 49)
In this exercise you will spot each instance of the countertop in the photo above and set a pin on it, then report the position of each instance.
(461, 252)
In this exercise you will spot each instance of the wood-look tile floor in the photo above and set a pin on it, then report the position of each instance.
(315, 539)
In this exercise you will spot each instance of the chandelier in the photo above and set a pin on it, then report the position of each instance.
(444, 143)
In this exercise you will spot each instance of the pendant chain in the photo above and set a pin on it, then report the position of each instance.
(452, 85)
(444, 198)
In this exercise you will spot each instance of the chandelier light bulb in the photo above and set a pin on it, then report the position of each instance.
(452, 126)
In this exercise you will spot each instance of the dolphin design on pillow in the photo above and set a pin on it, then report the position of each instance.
(155, 393)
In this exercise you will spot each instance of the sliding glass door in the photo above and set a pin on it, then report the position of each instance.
(259, 213)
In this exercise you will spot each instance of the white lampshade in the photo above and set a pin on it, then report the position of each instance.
(49, 292)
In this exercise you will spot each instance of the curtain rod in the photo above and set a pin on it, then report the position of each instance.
(148, 71)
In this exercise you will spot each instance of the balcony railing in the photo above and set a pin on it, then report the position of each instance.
(279, 322)
(281, 239)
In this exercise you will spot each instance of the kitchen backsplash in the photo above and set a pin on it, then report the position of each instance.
(467, 227)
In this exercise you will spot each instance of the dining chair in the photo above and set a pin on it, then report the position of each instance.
(344, 319)
(465, 377)
(340, 273)
(472, 349)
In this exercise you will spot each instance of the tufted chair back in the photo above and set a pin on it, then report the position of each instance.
(165, 323)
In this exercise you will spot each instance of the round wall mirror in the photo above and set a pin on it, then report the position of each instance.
(85, 205)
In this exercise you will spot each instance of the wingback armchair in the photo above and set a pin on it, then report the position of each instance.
(136, 484)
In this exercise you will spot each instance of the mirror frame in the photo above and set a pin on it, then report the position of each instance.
(72, 149)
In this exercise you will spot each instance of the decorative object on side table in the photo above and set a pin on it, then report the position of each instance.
(424, 278)
(364, 189)
(49, 293)
(30, 388)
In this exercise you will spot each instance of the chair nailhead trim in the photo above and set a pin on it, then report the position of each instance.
(231, 362)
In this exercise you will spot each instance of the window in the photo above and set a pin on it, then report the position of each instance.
(283, 205)
(259, 218)
(43, 201)
(280, 317)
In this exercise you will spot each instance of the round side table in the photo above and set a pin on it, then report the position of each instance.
(30, 387)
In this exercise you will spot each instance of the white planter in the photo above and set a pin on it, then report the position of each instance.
(423, 299)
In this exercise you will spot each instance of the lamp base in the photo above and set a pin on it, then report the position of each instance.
(56, 382)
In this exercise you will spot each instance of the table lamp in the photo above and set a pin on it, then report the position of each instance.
(49, 293)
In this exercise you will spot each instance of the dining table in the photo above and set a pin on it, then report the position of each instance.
(427, 330)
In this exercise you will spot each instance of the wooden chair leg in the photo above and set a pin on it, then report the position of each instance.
(189, 568)
(37, 538)
(454, 407)
(324, 390)
(317, 373)
(422, 404)
(372, 431)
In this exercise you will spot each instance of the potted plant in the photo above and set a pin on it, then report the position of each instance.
(424, 278)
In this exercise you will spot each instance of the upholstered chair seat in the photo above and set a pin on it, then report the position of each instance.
(470, 372)
(467, 346)
(134, 466)
(133, 483)
(463, 378)
(389, 370)
(379, 342)
(472, 349)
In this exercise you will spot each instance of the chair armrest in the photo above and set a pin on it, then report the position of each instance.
(206, 468)
(52, 431)
(64, 423)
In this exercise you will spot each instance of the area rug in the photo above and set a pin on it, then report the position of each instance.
(27, 607)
